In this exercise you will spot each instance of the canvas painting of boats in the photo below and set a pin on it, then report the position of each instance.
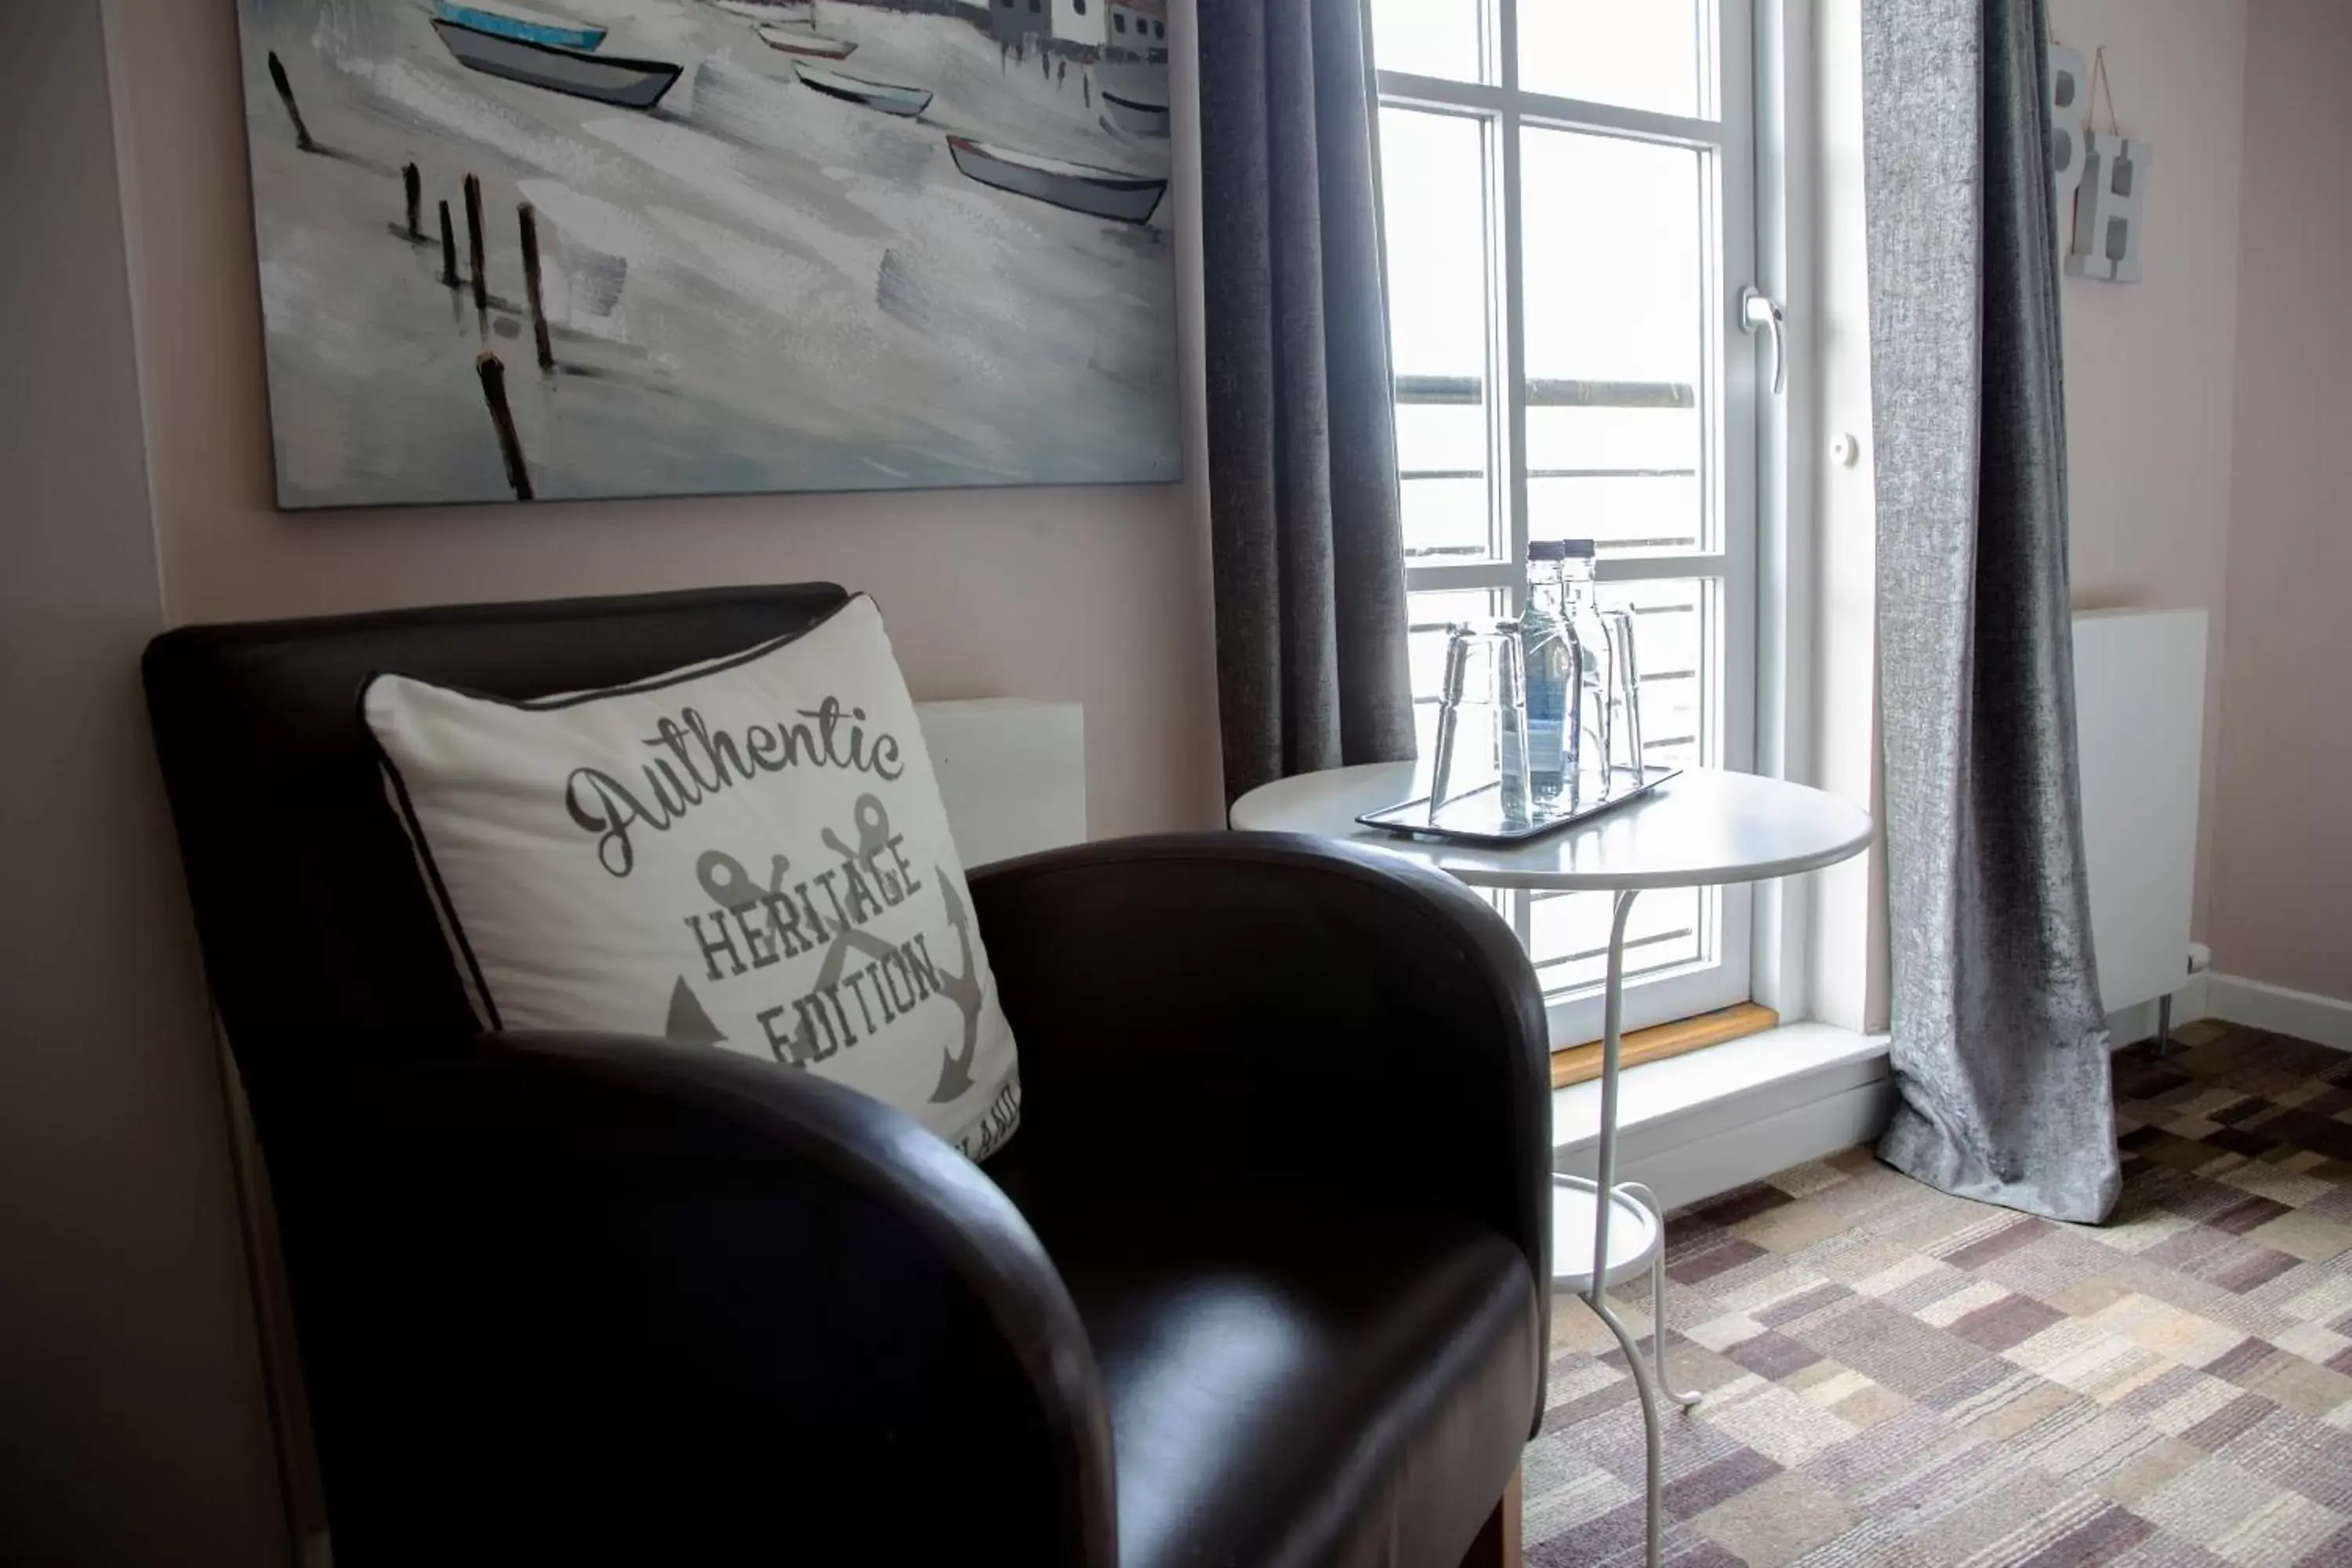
(526, 250)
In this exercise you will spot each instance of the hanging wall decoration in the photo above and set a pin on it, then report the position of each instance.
(2070, 123)
(2107, 211)
(683, 246)
(2105, 178)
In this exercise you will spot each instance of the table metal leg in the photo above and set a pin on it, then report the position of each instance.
(1649, 1396)
(1612, 1021)
(1658, 1295)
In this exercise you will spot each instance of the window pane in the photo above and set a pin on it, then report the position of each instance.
(1429, 614)
(1637, 54)
(1568, 936)
(1434, 190)
(1442, 476)
(1675, 637)
(1428, 37)
(1616, 340)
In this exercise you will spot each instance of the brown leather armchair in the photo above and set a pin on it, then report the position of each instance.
(1260, 1280)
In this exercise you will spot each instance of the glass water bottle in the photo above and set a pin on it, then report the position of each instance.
(1584, 712)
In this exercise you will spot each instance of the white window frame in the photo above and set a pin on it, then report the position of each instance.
(1729, 133)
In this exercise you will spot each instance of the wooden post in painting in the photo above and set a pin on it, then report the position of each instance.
(286, 96)
(474, 253)
(494, 393)
(530, 220)
(476, 257)
(412, 191)
(448, 249)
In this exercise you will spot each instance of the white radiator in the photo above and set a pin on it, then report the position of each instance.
(1012, 773)
(2139, 717)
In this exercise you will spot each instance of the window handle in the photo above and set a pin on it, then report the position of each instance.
(1758, 311)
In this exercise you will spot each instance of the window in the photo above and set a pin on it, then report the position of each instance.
(1118, 21)
(1080, 6)
(1568, 194)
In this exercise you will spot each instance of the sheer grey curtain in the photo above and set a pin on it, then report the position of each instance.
(2000, 1049)
(1309, 565)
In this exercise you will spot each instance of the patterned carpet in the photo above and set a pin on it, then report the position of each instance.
(1896, 1376)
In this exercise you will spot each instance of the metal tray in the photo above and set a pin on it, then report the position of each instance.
(1477, 817)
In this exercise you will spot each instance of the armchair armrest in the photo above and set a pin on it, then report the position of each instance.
(606, 1298)
(1236, 1002)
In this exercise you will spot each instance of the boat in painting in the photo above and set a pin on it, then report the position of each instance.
(1079, 187)
(793, 41)
(890, 98)
(1134, 118)
(628, 84)
(763, 11)
(515, 22)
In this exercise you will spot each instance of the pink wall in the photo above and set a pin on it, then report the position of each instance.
(133, 1422)
(2148, 390)
(2283, 852)
(1096, 596)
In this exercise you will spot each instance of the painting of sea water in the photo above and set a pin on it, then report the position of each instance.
(580, 248)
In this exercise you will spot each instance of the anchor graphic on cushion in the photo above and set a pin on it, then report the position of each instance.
(729, 886)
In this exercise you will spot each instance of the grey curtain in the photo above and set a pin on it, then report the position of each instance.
(2000, 1046)
(1308, 561)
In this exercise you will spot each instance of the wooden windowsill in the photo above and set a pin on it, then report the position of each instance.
(1581, 1063)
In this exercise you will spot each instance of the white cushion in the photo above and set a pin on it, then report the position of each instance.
(747, 854)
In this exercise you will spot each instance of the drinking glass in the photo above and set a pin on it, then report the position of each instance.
(1481, 728)
(1624, 729)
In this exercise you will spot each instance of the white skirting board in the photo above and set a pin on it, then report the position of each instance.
(2234, 999)
(2322, 1020)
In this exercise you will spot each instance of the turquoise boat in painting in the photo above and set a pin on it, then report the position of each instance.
(890, 97)
(514, 22)
(607, 78)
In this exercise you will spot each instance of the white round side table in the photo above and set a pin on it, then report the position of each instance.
(1700, 829)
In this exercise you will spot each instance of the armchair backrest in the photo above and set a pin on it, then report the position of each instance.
(313, 919)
